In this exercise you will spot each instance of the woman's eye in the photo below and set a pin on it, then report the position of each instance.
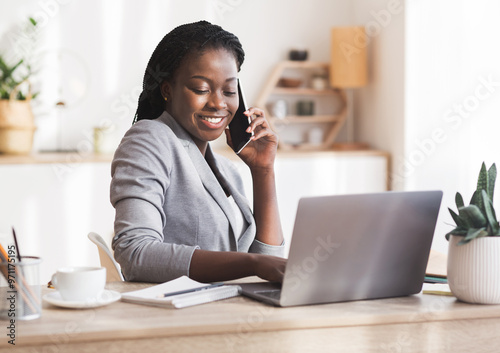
(230, 93)
(200, 91)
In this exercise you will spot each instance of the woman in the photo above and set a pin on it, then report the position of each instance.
(180, 209)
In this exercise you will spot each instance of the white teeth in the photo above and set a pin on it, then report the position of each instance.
(212, 120)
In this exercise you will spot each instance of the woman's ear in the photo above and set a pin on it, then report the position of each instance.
(165, 90)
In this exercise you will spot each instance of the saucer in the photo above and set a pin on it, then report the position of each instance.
(105, 298)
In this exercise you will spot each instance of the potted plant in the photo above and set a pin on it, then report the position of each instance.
(16, 117)
(474, 245)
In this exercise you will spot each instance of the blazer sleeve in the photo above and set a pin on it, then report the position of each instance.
(140, 176)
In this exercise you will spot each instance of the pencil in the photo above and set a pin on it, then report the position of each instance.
(18, 253)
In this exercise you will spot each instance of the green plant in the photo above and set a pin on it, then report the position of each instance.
(478, 219)
(12, 76)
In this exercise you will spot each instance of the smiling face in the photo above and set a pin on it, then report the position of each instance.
(203, 95)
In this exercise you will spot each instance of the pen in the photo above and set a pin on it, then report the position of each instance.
(190, 290)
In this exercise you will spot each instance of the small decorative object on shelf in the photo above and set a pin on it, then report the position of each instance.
(279, 109)
(317, 112)
(319, 82)
(305, 108)
(289, 82)
(298, 54)
(474, 245)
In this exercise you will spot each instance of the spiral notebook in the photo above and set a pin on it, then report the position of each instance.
(180, 293)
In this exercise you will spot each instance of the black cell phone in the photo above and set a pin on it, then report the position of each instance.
(239, 124)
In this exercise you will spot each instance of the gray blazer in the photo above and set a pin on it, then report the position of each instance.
(168, 203)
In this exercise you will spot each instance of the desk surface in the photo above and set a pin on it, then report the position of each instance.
(241, 322)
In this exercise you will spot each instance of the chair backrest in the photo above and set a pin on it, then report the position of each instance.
(113, 271)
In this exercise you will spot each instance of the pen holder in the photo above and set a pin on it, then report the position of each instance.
(20, 290)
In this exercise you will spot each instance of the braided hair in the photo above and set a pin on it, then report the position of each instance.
(169, 54)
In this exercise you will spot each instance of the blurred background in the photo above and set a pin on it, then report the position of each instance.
(431, 101)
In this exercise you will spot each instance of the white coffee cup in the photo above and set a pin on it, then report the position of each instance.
(79, 283)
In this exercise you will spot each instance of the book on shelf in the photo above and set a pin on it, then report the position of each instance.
(180, 293)
(436, 266)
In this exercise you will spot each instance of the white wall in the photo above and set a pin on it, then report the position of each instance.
(53, 207)
(452, 85)
(433, 95)
(380, 109)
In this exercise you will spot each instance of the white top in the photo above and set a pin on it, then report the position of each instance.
(241, 224)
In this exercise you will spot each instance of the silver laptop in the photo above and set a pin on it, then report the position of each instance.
(355, 247)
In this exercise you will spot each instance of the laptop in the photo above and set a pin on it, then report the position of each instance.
(355, 247)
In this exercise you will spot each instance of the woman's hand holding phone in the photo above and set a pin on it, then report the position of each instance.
(251, 136)
(261, 151)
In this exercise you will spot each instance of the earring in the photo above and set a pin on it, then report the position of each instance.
(166, 99)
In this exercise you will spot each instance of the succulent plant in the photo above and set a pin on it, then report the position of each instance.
(478, 219)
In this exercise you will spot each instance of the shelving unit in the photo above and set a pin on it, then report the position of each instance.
(330, 106)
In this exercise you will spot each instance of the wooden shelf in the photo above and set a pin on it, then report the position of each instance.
(304, 91)
(306, 64)
(306, 119)
(331, 121)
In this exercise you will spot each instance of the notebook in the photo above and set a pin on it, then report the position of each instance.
(180, 293)
(355, 247)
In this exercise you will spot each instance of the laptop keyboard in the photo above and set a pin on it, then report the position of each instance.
(273, 294)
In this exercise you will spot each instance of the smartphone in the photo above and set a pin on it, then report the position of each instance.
(239, 124)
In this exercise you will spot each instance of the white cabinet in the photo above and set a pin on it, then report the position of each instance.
(53, 205)
(322, 173)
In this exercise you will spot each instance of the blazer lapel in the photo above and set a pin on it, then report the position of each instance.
(213, 185)
(242, 202)
(244, 241)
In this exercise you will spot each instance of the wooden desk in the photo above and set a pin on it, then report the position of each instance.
(420, 323)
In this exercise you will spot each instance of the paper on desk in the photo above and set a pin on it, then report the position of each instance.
(437, 289)
(176, 285)
(152, 295)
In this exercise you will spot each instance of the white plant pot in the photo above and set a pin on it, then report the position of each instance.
(474, 270)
